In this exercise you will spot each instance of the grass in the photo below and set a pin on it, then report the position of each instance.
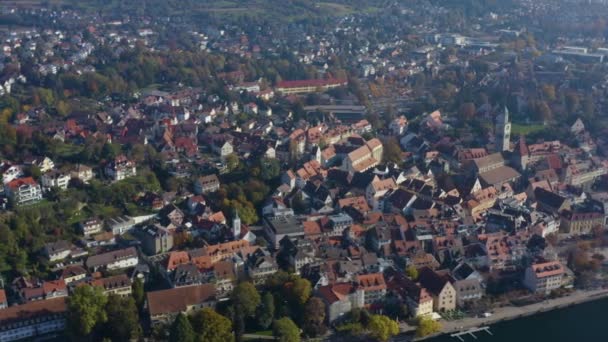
(519, 129)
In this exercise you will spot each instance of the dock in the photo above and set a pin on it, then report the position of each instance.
(471, 332)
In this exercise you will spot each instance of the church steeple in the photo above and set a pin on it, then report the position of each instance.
(503, 131)
(236, 225)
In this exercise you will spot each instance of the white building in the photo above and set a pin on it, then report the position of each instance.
(55, 179)
(544, 277)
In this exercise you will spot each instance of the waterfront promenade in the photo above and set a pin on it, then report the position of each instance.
(512, 312)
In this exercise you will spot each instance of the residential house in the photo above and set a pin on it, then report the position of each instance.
(261, 265)
(340, 299)
(120, 168)
(56, 251)
(119, 285)
(373, 286)
(440, 288)
(364, 158)
(155, 239)
(544, 277)
(91, 227)
(55, 179)
(23, 191)
(72, 273)
(82, 172)
(206, 184)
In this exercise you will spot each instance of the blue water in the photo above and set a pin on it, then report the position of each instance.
(586, 322)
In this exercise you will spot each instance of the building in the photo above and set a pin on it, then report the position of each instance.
(32, 319)
(340, 299)
(115, 260)
(364, 158)
(373, 286)
(155, 239)
(73, 273)
(82, 172)
(278, 227)
(206, 184)
(117, 285)
(3, 301)
(55, 179)
(544, 277)
(308, 86)
(164, 305)
(91, 227)
(120, 168)
(23, 191)
(577, 223)
(503, 131)
(440, 288)
(468, 290)
(56, 251)
(120, 225)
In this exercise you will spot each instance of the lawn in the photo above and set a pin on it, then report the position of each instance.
(519, 129)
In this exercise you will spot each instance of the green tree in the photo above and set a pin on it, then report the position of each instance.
(300, 290)
(232, 162)
(382, 328)
(427, 326)
(246, 298)
(412, 272)
(212, 327)
(123, 319)
(269, 168)
(392, 151)
(314, 318)
(285, 330)
(265, 312)
(181, 330)
(86, 309)
(138, 293)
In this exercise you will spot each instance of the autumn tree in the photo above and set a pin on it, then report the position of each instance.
(246, 298)
(285, 330)
(210, 326)
(427, 326)
(382, 328)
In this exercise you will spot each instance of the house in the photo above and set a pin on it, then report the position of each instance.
(82, 172)
(222, 148)
(377, 189)
(44, 164)
(33, 319)
(119, 285)
(340, 299)
(155, 239)
(164, 305)
(580, 222)
(55, 179)
(23, 191)
(468, 290)
(72, 273)
(364, 158)
(261, 265)
(417, 298)
(120, 168)
(10, 172)
(550, 202)
(440, 288)
(373, 286)
(114, 260)
(91, 227)
(398, 126)
(225, 276)
(56, 251)
(206, 184)
(544, 277)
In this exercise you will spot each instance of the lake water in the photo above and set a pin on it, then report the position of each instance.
(586, 322)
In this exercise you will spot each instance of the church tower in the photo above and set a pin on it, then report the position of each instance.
(236, 226)
(503, 131)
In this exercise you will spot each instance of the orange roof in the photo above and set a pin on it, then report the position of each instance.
(547, 269)
(14, 184)
(372, 282)
(176, 259)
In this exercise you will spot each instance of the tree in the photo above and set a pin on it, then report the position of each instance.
(300, 290)
(123, 319)
(392, 151)
(246, 298)
(138, 293)
(427, 326)
(285, 330)
(181, 330)
(412, 272)
(467, 111)
(265, 312)
(549, 91)
(212, 327)
(269, 168)
(232, 162)
(314, 318)
(382, 328)
(86, 309)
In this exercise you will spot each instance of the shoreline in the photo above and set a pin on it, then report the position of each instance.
(509, 313)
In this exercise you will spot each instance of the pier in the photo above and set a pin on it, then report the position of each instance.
(471, 332)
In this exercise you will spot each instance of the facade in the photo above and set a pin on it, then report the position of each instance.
(155, 239)
(340, 299)
(468, 290)
(91, 227)
(278, 227)
(440, 288)
(373, 286)
(577, 223)
(544, 277)
(119, 285)
(82, 172)
(57, 251)
(364, 158)
(308, 86)
(24, 191)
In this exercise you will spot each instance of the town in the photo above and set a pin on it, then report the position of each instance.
(237, 171)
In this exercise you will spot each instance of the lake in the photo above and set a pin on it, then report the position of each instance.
(581, 323)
